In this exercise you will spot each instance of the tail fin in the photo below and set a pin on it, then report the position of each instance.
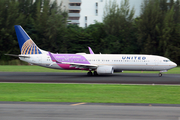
(26, 44)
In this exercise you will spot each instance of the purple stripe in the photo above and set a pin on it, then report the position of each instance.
(52, 57)
(73, 58)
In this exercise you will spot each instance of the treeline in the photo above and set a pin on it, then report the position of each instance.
(156, 31)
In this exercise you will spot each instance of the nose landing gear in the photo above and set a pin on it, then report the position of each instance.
(160, 74)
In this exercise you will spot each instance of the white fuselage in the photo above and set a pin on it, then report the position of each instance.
(99, 63)
(119, 62)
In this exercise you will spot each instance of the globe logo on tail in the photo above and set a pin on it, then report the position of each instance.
(29, 47)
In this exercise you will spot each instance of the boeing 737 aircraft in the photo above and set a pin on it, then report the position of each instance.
(93, 63)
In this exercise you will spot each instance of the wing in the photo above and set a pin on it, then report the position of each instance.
(79, 65)
(76, 65)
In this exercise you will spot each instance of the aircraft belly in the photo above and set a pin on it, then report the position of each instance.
(130, 67)
(161, 67)
(135, 67)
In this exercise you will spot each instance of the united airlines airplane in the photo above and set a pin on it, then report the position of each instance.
(93, 63)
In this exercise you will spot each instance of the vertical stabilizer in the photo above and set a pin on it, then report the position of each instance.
(26, 44)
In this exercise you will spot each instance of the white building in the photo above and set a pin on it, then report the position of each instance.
(91, 10)
(86, 12)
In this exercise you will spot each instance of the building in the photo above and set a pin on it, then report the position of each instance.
(86, 12)
(74, 12)
(91, 11)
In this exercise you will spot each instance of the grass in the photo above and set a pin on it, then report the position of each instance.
(13, 62)
(29, 68)
(91, 93)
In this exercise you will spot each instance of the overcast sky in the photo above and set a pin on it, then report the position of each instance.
(137, 6)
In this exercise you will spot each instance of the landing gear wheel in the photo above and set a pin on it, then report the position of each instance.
(89, 73)
(95, 73)
(160, 74)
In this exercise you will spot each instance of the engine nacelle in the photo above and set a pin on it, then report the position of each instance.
(105, 70)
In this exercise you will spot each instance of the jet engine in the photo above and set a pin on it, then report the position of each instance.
(105, 70)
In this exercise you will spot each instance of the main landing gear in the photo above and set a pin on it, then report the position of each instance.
(160, 74)
(94, 73)
(89, 73)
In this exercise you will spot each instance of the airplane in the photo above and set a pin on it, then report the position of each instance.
(95, 64)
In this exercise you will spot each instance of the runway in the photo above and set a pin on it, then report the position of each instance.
(77, 111)
(88, 111)
(117, 78)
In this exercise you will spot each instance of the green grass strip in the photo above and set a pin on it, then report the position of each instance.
(91, 93)
(29, 68)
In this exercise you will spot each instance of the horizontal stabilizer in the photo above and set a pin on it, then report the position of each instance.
(25, 56)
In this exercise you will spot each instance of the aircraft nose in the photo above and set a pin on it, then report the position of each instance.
(174, 64)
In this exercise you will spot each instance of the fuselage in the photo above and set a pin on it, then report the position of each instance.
(119, 62)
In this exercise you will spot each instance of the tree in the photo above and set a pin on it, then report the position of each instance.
(119, 26)
(148, 25)
(9, 16)
(42, 20)
(50, 26)
(97, 33)
(158, 28)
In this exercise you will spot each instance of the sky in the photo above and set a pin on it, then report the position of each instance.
(137, 6)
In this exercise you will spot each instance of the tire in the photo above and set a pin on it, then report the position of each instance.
(89, 73)
(95, 73)
(160, 74)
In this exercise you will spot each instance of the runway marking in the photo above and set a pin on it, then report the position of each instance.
(77, 104)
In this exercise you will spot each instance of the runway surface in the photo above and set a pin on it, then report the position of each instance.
(88, 111)
(120, 78)
(83, 111)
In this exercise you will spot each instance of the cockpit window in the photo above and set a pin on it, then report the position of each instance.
(166, 60)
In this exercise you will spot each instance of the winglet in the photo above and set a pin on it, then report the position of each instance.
(52, 58)
(90, 50)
